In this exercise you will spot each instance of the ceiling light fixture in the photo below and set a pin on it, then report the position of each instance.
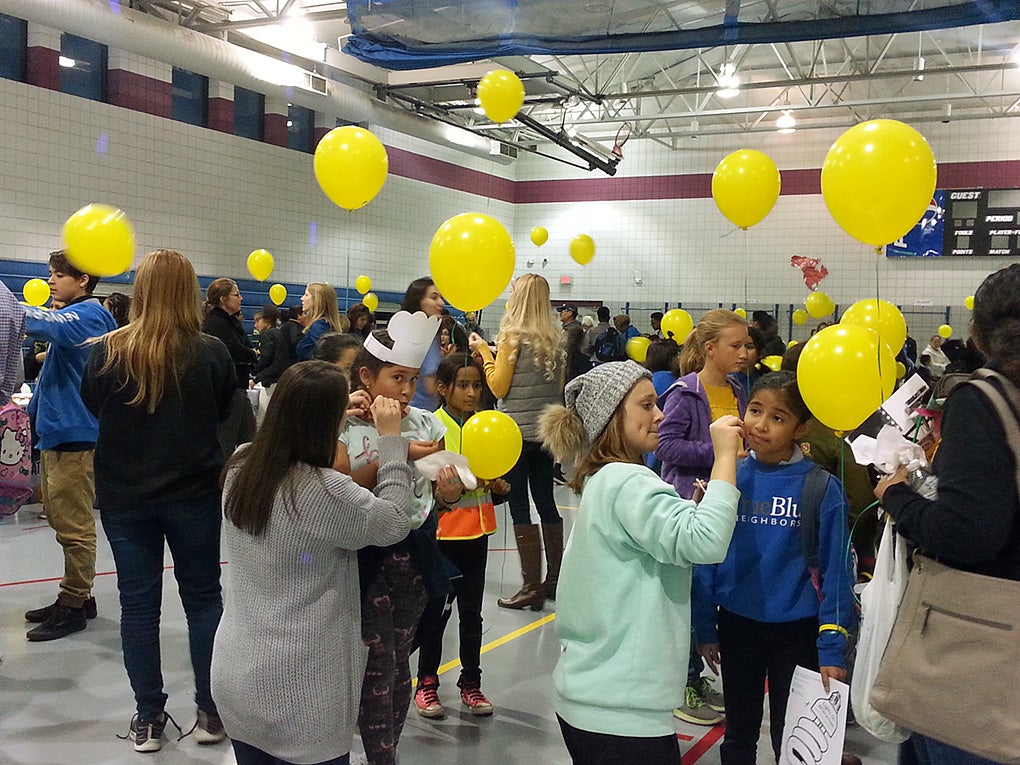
(729, 82)
(920, 69)
(786, 123)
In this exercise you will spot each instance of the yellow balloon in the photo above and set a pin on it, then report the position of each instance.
(99, 240)
(472, 260)
(36, 292)
(740, 312)
(775, 363)
(676, 325)
(945, 331)
(362, 284)
(901, 370)
(492, 443)
(582, 249)
(277, 293)
(371, 301)
(350, 165)
(800, 317)
(819, 305)
(969, 302)
(260, 264)
(878, 179)
(501, 95)
(745, 187)
(879, 316)
(791, 343)
(539, 236)
(844, 374)
(637, 348)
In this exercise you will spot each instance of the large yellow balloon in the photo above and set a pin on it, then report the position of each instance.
(819, 304)
(844, 374)
(800, 317)
(99, 240)
(492, 443)
(945, 331)
(371, 301)
(36, 292)
(260, 264)
(637, 348)
(277, 293)
(582, 249)
(745, 187)
(472, 260)
(676, 325)
(350, 165)
(878, 179)
(879, 316)
(539, 236)
(362, 284)
(501, 95)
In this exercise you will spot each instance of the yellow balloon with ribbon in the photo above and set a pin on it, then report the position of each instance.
(362, 284)
(492, 443)
(471, 259)
(260, 264)
(637, 348)
(800, 317)
(945, 331)
(350, 165)
(819, 305)
(36, 292)
(501, 95)
(774, 363)
(371, 301)
(844, 374)
(582, 249)
(277, 293)
(676, 325)
(881, 317)
(539, 236)
(878, 179)
(99, 240)
(969, 302)
(745, 187)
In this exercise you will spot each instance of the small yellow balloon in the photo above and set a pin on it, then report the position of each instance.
(539, 236)
(740, 312)
(775, 363)
(945, 331)
(637, 348)
(492, 443)
(879, 316)
(371, 301)
(36, 292)
(362, 284)
(819, 305)
(501, 95)
(582, 249)
(99, 240)
(260, 264)
(791, 344)
(969, 302)
(901, 370)
(745, 187)
(277, 293)
(471, 259)
(676, 325)
(350, 165)
(800, 317)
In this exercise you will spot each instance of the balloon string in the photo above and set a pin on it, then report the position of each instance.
(347, 279)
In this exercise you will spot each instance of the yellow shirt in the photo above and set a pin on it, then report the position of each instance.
(721, 400)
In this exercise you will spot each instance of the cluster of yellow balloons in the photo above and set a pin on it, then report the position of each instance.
(676, 325)
(501, 95)
(36, 292)
(637, 348)
(350, 165)
(819, 305)
(260, 264)
(471, 259)
(491, 441)
(99, 240)
(582, 249)
(745, 187)
(277, 293)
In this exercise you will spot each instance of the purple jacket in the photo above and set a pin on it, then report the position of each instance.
(685, 445)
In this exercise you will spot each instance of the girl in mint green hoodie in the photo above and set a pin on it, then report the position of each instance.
(623, 608)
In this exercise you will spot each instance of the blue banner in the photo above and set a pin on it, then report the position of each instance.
(925, 240)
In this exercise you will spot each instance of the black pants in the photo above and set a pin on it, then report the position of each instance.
(246, 754)
(534, 468)
(753, 651)
(587, 748)
(469, 556)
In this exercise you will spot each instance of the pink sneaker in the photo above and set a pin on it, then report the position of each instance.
(475, 700)
(426, 698)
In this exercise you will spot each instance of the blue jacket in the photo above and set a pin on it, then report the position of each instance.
(58, 414)
(307, 343)
(765, 576)
(685, 446)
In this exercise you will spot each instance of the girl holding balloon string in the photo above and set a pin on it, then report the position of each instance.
(319, 305)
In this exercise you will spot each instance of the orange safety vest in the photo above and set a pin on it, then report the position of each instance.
(473, 515)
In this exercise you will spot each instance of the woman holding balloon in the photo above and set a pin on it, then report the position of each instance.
(527, 375)
(319, 305)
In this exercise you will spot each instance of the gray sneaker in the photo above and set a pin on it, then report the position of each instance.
(712, 698)
(695, 710)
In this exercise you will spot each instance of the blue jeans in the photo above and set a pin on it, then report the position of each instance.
(246, 754)
(192, 532)
(927, 751)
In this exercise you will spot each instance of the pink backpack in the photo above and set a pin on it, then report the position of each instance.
(15, 458)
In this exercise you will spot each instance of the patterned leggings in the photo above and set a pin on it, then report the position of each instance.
(393, 601)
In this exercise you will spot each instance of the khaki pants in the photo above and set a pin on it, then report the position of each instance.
(69, 492)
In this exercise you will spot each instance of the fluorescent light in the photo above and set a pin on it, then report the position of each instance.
(729, 82)
(786, 123)
(66, 62)
(920, 69)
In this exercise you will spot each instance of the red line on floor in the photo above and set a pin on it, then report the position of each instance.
(702, 745)
(684, 737)
(58, 578)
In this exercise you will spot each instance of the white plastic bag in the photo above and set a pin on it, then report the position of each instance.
(880, 601)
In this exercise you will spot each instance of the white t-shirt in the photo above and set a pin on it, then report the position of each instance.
(362, 442)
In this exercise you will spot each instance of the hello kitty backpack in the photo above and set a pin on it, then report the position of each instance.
(15, 458)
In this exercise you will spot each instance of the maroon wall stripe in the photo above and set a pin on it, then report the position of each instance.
(43, 67)
(275, 129)
(407, 164)
(221, 115)
(138, 92)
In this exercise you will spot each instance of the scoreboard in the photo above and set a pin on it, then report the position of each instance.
(967, 223)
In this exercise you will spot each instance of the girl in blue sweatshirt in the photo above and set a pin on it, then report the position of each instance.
(762, 609)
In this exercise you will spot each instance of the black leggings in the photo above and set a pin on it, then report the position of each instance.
(534, 468)
(587, 748)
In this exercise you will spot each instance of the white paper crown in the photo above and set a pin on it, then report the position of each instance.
(412, 334)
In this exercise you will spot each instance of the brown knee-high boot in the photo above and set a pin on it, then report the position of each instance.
(529, 546)
(552, 537)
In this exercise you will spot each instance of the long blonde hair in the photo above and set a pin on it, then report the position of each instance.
(528, 319)
(709, 329)
(324, 306)
(166, 318)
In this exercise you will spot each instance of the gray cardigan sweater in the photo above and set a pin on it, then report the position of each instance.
(288, 660)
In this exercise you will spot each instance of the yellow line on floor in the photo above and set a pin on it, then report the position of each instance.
(504, 640)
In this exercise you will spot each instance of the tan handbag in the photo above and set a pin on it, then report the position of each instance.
(951, 670)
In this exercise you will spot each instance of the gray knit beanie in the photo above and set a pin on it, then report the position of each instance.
(595, 395)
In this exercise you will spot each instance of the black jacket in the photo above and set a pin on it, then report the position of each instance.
(275, 355)
(231, 332)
